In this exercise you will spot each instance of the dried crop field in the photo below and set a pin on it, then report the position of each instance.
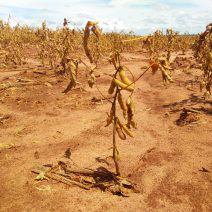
(95, 121)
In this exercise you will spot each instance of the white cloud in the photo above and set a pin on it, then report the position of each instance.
(141, 16)
(128, 2)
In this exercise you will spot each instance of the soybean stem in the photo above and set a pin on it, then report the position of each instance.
(115, 150)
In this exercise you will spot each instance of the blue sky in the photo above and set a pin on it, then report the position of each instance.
(140, 16)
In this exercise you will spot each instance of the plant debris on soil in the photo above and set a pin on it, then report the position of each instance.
(187, 117)
(86, 178)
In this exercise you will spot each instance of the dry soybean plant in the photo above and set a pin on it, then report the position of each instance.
(120, 83)
(162, 64)
(171, 37)
(11, 45)
(204, 56)
(91, 27)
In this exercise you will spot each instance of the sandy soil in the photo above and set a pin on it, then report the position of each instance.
(166, 161)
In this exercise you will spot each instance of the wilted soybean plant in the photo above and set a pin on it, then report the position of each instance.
(119, 83)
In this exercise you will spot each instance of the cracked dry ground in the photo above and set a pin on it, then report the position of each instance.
(164, 160)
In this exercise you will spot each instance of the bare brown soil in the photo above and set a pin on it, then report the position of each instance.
(170, 164)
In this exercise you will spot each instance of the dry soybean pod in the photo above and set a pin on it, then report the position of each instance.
(123, 85)
(122, 104)
(124, 78)
(112, 87)
(120, 133)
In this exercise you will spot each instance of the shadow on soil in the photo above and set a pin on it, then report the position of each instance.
(191, 101)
